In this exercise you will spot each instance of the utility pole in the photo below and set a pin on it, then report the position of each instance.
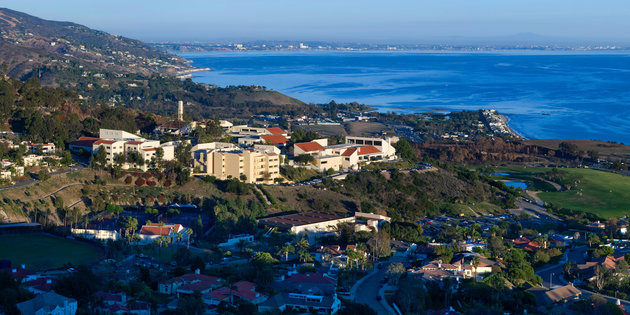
(550, 281)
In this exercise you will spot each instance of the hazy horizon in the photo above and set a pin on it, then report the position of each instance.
(369, 21)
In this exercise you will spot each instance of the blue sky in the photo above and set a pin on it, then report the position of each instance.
(340, 20)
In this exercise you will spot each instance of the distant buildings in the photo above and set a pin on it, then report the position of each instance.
(304, 293)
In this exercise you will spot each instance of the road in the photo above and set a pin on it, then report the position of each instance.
(369, 288)
(536, 209)
(555, 273)
(32, 180)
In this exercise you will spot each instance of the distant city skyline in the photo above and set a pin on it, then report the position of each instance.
(396, 21)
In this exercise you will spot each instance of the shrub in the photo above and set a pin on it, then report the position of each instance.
(146, 175)
(167, 183)
(151, 183)
(128, 180)
(139, 181)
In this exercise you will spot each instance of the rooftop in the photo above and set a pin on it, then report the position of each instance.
(298, 219)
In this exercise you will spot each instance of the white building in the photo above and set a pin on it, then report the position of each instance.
(226, 161)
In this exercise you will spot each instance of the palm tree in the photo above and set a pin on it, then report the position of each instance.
(475, 262)
(303, 244)
(305, 256)
(285, 250)
(189, 232)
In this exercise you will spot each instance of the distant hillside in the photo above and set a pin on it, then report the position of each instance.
(111, 70)
(62, 42)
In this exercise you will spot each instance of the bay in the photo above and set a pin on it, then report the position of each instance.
(569, 95)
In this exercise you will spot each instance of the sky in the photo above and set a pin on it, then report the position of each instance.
(402, 21)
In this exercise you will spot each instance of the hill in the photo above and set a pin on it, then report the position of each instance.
(111, 70)
(54, 42)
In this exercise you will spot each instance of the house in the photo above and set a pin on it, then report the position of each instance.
(526, 244)
(46, 148)
(153, 231)
(243, 290)
(465, 262)
(48, 303)
(308, 292)
(234, 241)
(558, 295)
(587, 271)
(40, 285)
(189, 283)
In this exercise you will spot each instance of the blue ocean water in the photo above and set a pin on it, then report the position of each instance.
(545, 95)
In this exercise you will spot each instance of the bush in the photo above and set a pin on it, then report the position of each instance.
(139, 182)
(128, 180)
(167, 183)
(146, 175)
(151, 183)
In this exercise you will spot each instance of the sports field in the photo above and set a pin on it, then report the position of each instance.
(603, 193)
(42, 252)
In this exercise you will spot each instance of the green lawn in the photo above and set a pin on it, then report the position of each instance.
(602, 193)
(42, 252)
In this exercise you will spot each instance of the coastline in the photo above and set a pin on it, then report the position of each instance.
(511, 129)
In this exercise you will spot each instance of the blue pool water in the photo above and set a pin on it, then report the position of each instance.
(545, 95)
(522, 185)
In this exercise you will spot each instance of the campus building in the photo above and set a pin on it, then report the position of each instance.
(116, 142)
(225, 161)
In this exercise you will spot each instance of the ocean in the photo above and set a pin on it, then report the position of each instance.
(580, 95)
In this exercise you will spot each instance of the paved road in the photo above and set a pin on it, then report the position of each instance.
(368, 290)
(32, 180)
(555, 273)
(536, 209)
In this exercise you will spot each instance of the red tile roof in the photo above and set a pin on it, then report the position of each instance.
(156, 229)
(198, 282)
(349, 152)
(244, 289)
(275, 139)
(276, 131)
(134, 142)
(370, 149)
(310, 146)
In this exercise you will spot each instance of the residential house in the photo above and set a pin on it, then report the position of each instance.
(465, 262)
(48, 303)
(154, 231)
(234, 241)
(587, 271)
(307, 292)
(559, 295)
(189, 284)
(243, 290)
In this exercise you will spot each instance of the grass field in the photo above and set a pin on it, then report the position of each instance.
(602, 193)
(43, 252)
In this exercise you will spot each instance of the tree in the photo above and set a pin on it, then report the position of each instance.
(183, 154)
(601, 276)
(379, 244)
(189, 233)
(444, 253)
(593, 239)
(395, 271)
(43, 175)
(404, 150)
(475, 262)
(622, 268)
(285, 250)
(305, 256)
(569, 268)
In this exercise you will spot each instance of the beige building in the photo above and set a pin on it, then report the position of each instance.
(256, 166)
(347, 156)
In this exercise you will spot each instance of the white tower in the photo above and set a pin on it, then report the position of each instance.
(180, 110)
